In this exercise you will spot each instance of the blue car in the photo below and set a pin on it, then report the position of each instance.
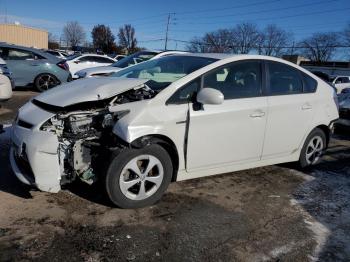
(30, 66)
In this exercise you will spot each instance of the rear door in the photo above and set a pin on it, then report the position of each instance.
(290, 109)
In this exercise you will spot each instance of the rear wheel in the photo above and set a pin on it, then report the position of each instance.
(313, 149)
(44, 82)
(138, 177)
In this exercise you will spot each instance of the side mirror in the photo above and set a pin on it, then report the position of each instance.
(77, 62)
(210, 96)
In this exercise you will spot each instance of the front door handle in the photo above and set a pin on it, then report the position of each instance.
(257, 113)
(306, 106)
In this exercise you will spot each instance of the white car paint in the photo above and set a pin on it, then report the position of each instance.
(235, 135)
(86, 61)
(5, 82)
(341, 82)
(103, 70)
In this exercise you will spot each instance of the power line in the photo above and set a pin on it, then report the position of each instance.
(265, 10)
(237, 46)
(281, 17)
(229, 7)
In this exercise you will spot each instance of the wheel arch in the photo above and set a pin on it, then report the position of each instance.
(164, 142)
(327, 131)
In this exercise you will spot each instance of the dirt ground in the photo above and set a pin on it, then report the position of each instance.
(275, 213)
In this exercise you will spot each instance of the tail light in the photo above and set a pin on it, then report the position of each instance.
(63, 65)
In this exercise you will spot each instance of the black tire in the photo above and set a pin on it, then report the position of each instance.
(45, 81)
(114, 173)
(315, 135)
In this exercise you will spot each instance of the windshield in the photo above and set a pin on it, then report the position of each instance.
(163, 71)
(134, 59)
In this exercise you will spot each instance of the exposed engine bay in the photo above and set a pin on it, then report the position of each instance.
(85, 136)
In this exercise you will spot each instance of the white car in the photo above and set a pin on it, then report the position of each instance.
(170, 119)
(79, 62)
(130, 60)
(57, 53)
(6, 83)
(344, 109)
(341, 82)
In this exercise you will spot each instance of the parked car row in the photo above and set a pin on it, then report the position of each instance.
(127, 61)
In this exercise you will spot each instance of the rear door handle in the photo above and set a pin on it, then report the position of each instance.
(257, 113)
(306, 106)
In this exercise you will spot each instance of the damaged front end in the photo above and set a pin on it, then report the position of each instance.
(84, 135)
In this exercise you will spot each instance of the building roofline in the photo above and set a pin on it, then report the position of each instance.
(25, 26)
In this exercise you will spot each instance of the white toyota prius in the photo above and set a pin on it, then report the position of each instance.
(170, 119)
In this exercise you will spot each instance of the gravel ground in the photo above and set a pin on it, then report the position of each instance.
(275, 213)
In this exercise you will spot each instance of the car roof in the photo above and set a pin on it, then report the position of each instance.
(31, 49)
(218, 56)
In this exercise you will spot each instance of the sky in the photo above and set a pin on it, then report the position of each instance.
(189, 18)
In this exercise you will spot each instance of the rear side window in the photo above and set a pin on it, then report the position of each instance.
(283, 79)
(310, 84)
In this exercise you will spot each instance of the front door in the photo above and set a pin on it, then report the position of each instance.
(232, 132)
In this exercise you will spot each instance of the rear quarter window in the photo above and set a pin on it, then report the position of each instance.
(310, 84)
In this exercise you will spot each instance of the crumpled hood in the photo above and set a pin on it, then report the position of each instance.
(98, 70)
(90, 89)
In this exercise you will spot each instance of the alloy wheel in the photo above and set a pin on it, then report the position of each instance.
(46, 82)
(314, 150)
(141, 177)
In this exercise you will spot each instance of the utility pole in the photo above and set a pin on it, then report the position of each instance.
(166, 33)
(167, 30)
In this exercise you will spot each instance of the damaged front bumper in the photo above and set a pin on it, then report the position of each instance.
(34, 158)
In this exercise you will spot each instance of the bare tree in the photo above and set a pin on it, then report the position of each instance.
(103, 38)
(197, 45)
(52, 41)
(245, 37)
(273, 40)
(219, 41)
(127, 39)
(320, 47)
(74, 33)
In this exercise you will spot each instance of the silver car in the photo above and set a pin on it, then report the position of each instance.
(30, 66)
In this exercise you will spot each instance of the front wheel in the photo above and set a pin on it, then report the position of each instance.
(313, 149)
(138, 177)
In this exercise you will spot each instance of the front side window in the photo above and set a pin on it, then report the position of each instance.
(283, 79)
(87, 59)
(103, 60)
(16, 54)
(163, 71)
(186, 93)
(237, 80)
